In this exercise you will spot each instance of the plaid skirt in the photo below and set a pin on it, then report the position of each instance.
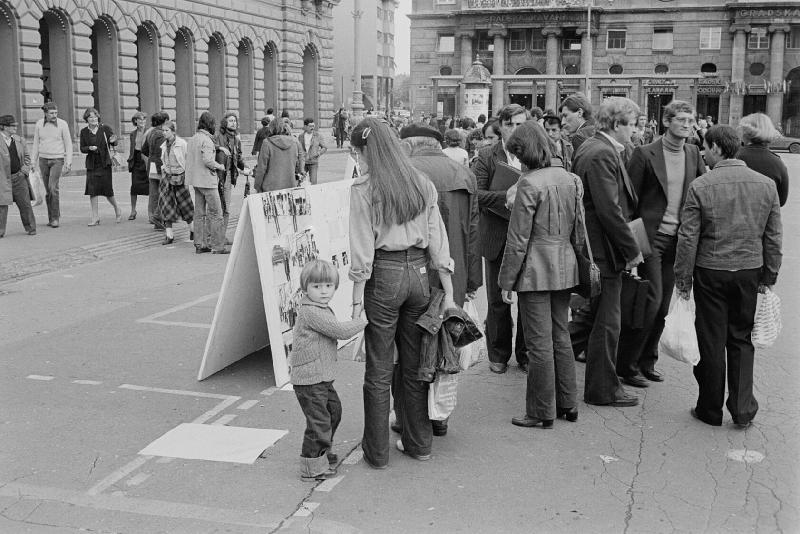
(174, 202)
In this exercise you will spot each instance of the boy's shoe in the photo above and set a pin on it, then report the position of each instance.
(330, 473)
(333, 458)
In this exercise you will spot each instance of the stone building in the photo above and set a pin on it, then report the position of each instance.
(180, 56)
(364, 30)
(728, 57)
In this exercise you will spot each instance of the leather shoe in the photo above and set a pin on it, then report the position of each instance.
(636, 381)
(531, 421)
(333, 458)
(168, 241)
(694, 413)
(570, 415)
(652, 375)
(523, 366)
(581, 357)
(223, 251)
(396, 428)
(622, 401)
(201, 250)
(439, 428)
(498, 368)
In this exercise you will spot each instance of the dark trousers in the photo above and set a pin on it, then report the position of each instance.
(580, 326)
(323, 410)
(395, 296)
(311, 169)
(21, 195)
(638, 348)
(50, 170)
(725, 307)
(499, 326)
(602, 383)
(551, 370)
(154, 216)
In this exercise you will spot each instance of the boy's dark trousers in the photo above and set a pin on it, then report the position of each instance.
(323, 411)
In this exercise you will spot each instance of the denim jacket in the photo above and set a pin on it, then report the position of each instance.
(444, 330)
(731, 221)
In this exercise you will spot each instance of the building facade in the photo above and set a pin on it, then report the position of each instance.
(364, 30)
(727, 57)
(121, 56)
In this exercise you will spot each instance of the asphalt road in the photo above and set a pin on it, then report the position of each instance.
(101, 334)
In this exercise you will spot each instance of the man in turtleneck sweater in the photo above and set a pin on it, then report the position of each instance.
(661, 173)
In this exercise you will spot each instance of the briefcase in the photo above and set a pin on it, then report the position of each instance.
(633, 299)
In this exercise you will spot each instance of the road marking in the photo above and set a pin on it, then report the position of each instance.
(225, 419)
(329, 484)
(118, 475)
(305, 509)
(87, 382)
(40, 377)
(154, 318)
(138, 479)
(246, 405)
(354, 457)
(178, 392)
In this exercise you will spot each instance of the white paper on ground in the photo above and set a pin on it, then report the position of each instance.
(217, 443)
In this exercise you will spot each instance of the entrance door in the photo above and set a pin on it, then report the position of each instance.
(446, 105)
(754, 104)
(523, 100)
(708, 105)
(655, 107)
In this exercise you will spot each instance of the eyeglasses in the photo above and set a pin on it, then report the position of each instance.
(683, 120)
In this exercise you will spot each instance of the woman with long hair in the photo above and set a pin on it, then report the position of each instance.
(539, 263)
(137, 163)
(97, 142)
(396, 234)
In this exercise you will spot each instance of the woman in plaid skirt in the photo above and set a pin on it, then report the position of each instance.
(174, 200)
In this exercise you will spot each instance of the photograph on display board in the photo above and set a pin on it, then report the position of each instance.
(286, 210)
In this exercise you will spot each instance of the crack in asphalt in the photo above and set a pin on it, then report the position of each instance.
(631, 491)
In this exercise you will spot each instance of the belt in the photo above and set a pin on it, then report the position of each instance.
(411, 253)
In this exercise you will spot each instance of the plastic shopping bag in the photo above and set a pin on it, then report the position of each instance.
(442, 396)
(38, 191)
(679, 339)
(767, 324)
(476, 351)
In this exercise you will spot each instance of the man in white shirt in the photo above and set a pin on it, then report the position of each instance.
(52, 151)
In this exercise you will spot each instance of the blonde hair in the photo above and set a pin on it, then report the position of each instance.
(318, 272)
(757, 128)
(616, 109)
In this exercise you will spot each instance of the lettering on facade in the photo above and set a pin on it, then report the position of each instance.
(768, 13)
(710, 86)
(660, 86)
(510, 4)
(535, 17)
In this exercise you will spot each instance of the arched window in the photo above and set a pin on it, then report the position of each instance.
(270, 76)
(105, 74)
(615, 69)
(9, 65)
(56, 46)
(148, 85)
(310, 73)
(527, 70)
(216, 75)
(661, 68)
(245, 79)
(757, 69)
(571, 69)
(708, 68)
(184, 82)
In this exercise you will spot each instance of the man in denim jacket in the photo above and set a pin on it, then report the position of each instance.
(729, 248)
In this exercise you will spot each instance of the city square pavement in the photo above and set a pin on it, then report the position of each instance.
(102, 330)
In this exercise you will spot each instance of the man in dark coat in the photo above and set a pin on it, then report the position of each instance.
(576, 118)
(660, 173)
(15, 165)
(492, 244)
(609, 200)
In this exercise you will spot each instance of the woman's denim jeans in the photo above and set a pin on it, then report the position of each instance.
(394, 298)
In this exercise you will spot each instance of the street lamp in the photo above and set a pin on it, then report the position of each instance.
(588, 51)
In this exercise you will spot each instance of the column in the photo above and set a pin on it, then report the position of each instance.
(128, 76)
(498, 67)
(358, 102)
(551, 85)
(777, 49)
(466, 50)
(586, 60)
(737, 71)
(30, 68)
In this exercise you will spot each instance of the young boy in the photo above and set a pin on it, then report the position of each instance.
(312, 366)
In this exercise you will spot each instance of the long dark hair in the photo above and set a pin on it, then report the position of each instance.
(207, 122)
(398, 190)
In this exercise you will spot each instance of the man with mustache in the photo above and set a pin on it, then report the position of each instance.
(52, 151)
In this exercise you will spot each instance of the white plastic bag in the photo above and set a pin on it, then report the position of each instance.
(679, 339)
(38, 191)
(442, 396)
(767, 323)
(476, 351)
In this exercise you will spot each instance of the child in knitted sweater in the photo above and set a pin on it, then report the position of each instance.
(313, 366)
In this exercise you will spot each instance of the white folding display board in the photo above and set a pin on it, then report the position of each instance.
(277, 233)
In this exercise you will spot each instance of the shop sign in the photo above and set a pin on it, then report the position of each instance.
(660, 86)
(768, 13)
(514, 4)
(710, 86)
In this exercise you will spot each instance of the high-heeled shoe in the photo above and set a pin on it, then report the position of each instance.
(94, 223)
(168, 241)
(132, 216)
(119, 216)
(570, 414)
(531, 421)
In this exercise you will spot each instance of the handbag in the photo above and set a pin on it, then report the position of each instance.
(176, 179)
(633, 299)
(589, 284)
(116, 160)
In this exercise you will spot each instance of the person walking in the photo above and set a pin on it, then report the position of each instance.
(729, 249)
(229, 143)
(151, 149)
(453, 140)
(340, 127)
(137, 163)
(540, 265)
(396, 234)
(174, 200)
(261, 134)
(278, 160)
(96, 141)
(201, 173)
(660, 173)
(499, 325)
(52, 152)
(757, 133)
(15, 166)
(311, 149)
(609, 201)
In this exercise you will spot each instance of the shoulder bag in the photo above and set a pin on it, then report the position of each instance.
(116, 160)
(589, 284)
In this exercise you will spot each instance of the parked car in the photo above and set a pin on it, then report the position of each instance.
(792, 144)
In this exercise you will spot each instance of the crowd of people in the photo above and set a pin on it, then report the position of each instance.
(423, 217)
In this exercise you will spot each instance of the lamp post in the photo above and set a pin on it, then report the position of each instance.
(358, 103)
(588, 50)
